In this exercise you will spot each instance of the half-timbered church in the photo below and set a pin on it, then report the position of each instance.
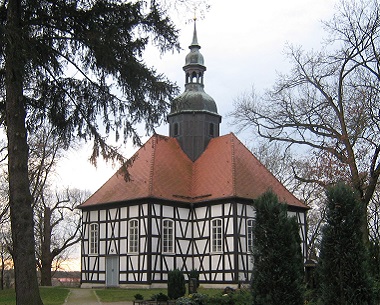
(188, 204)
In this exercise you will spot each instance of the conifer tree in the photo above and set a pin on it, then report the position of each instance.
(75, 65)
(343, 273)
(176, 284)
(278, 266)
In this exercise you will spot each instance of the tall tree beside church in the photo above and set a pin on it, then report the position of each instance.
(343, 268)
(277, 258)
(103, 42)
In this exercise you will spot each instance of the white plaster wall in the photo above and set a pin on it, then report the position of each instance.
(93, 215)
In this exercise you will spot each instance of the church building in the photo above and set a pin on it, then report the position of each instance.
(188, 203)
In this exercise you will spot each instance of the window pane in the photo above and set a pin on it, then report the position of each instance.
(216, 235)
(133, 236)
(167, 236)
(250, 235)
(93, 238)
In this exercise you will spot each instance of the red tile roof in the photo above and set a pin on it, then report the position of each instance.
(162, 170)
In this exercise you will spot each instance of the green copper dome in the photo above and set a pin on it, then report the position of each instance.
(194, 57)
(194, 119)
(194, 98)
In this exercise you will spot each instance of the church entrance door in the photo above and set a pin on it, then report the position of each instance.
(112, 271)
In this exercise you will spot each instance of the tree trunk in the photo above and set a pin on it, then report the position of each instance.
(20, 199)
(46, 272)
(46, 256)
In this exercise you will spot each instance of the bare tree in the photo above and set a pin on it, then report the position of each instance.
(374, 234)
(57, 222)
(4, 202)
(329, 103)
(282, 163)
(277, 161)
(5, 234)
(183, 7)
(46, 148)
(57, 227)
(374, 216)
(5, 254)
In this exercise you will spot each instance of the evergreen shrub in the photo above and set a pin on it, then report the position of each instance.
(139, 296)
(343, 269)
(160, 297)
(277, 256)
(176, 284)
(238, 297)
(194, 274)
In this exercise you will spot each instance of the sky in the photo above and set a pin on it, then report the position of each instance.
(243, 43)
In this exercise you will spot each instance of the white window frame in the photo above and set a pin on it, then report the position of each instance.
(250, 222)
(93, 239)
(167, 236)
(133, 236)
(216, 235)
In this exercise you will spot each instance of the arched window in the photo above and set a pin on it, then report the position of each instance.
(194, 77)
(133, 241)
(249, 235)
(216, 235)
(167, 236)
(94, 239)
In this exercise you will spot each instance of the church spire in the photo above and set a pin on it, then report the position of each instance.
(194, 118)
(194, 63)
(195, 37)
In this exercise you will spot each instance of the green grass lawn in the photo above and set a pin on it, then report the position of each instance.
(49, 295)
(119, 294)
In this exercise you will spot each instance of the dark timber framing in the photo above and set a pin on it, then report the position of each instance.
(194, 122)
(192, 242)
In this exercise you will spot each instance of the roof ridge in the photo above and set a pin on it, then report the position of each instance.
(152, 162)
(233, 164)
(280, 184)
(192, 176)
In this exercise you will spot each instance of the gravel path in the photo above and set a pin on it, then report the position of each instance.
(82, 296)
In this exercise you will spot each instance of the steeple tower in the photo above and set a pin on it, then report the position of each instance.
(194, 118)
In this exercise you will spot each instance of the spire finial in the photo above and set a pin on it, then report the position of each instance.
(195, 37)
